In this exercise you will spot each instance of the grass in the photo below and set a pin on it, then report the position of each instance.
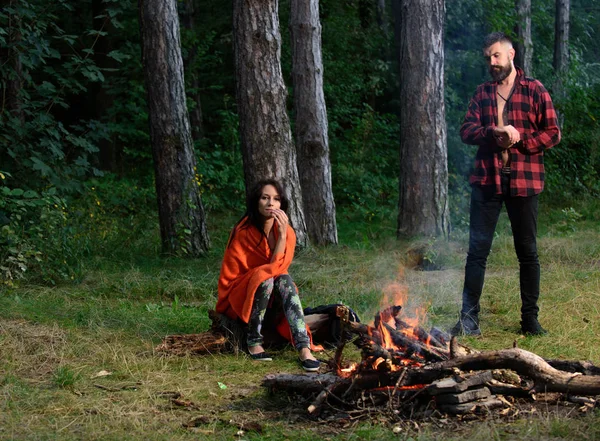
(77, 361)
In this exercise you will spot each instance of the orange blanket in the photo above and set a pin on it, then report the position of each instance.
(246, 264)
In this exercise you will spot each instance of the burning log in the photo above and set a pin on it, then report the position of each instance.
(386, 315)
(371, 349)
(415, 346)
(442, 336)
(457, 379)
(420, 334)
(545, 378)
(405, 342)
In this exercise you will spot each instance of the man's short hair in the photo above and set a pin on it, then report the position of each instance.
(496, 37)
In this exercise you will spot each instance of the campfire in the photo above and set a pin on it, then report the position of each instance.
(410, 371)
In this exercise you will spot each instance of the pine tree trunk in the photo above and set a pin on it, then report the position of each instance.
(524, 45)
(561, 36)
(187, 20)
(267, 147)
(382, 19)
(561, 52)
(423, 204)
(100, 101)
(311, 122)
(181, 214)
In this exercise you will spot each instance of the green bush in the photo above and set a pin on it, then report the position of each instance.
(366, 165)
(34, 236)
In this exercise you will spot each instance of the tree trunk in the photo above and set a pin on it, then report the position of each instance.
(561, 37)
(382, 19)
(423, 204)
(267, 147)
(524, 46)
(561, 49)
(110, 154)
(561, 52)
(187, 20)
(311, 122)
(181, 214)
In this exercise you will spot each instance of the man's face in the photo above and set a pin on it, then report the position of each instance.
(499, 59)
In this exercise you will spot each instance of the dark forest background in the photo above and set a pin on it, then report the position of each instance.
(76, 172)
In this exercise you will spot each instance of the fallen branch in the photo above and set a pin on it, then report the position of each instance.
(545, 377)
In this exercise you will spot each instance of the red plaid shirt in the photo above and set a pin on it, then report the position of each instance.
(531, 112)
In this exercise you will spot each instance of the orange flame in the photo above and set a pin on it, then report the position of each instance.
(400, 388)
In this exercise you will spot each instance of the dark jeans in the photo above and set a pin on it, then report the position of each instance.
(522, 212)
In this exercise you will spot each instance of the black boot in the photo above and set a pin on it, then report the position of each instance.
(468, 324)
(531, 326)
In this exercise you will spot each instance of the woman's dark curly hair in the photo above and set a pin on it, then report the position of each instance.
(252, 215)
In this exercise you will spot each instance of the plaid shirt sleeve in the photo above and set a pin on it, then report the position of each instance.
(478, 127)
(538, 125)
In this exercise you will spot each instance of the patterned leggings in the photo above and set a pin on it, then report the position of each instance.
(290, 301)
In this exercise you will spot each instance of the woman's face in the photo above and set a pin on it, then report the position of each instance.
(268, 201)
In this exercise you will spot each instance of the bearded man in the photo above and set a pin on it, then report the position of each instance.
(512, 121)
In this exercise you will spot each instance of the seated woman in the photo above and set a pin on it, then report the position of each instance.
(254, 274)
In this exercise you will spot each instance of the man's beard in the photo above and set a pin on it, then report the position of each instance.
(500, 73)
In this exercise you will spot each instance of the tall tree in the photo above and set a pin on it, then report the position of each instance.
(524, 44)
(561, 37)
(382, 19)
(100, 99)
(423, 204)
(188, 15)
(181, 214)
(561, 51)
(267, 147)
(312, 141)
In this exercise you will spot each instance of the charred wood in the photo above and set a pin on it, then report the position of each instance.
(303, 384)
(545, 377)
(584, 367)
(414, 345)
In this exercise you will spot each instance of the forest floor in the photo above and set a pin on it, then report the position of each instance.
(78, 361)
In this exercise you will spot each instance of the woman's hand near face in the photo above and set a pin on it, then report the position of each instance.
(282, 222)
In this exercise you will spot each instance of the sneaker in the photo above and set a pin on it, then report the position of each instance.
(531, 326)
(310, 365)
(261, 356)
(466, 325)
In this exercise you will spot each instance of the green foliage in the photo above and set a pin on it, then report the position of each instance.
(113, 216)
(366, 161)
(570, 219)
(43, 145)
(34, 236)
(574, 165)
(220, 167)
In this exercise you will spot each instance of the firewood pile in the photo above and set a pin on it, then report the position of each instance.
(224, 335)
(410, 372)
